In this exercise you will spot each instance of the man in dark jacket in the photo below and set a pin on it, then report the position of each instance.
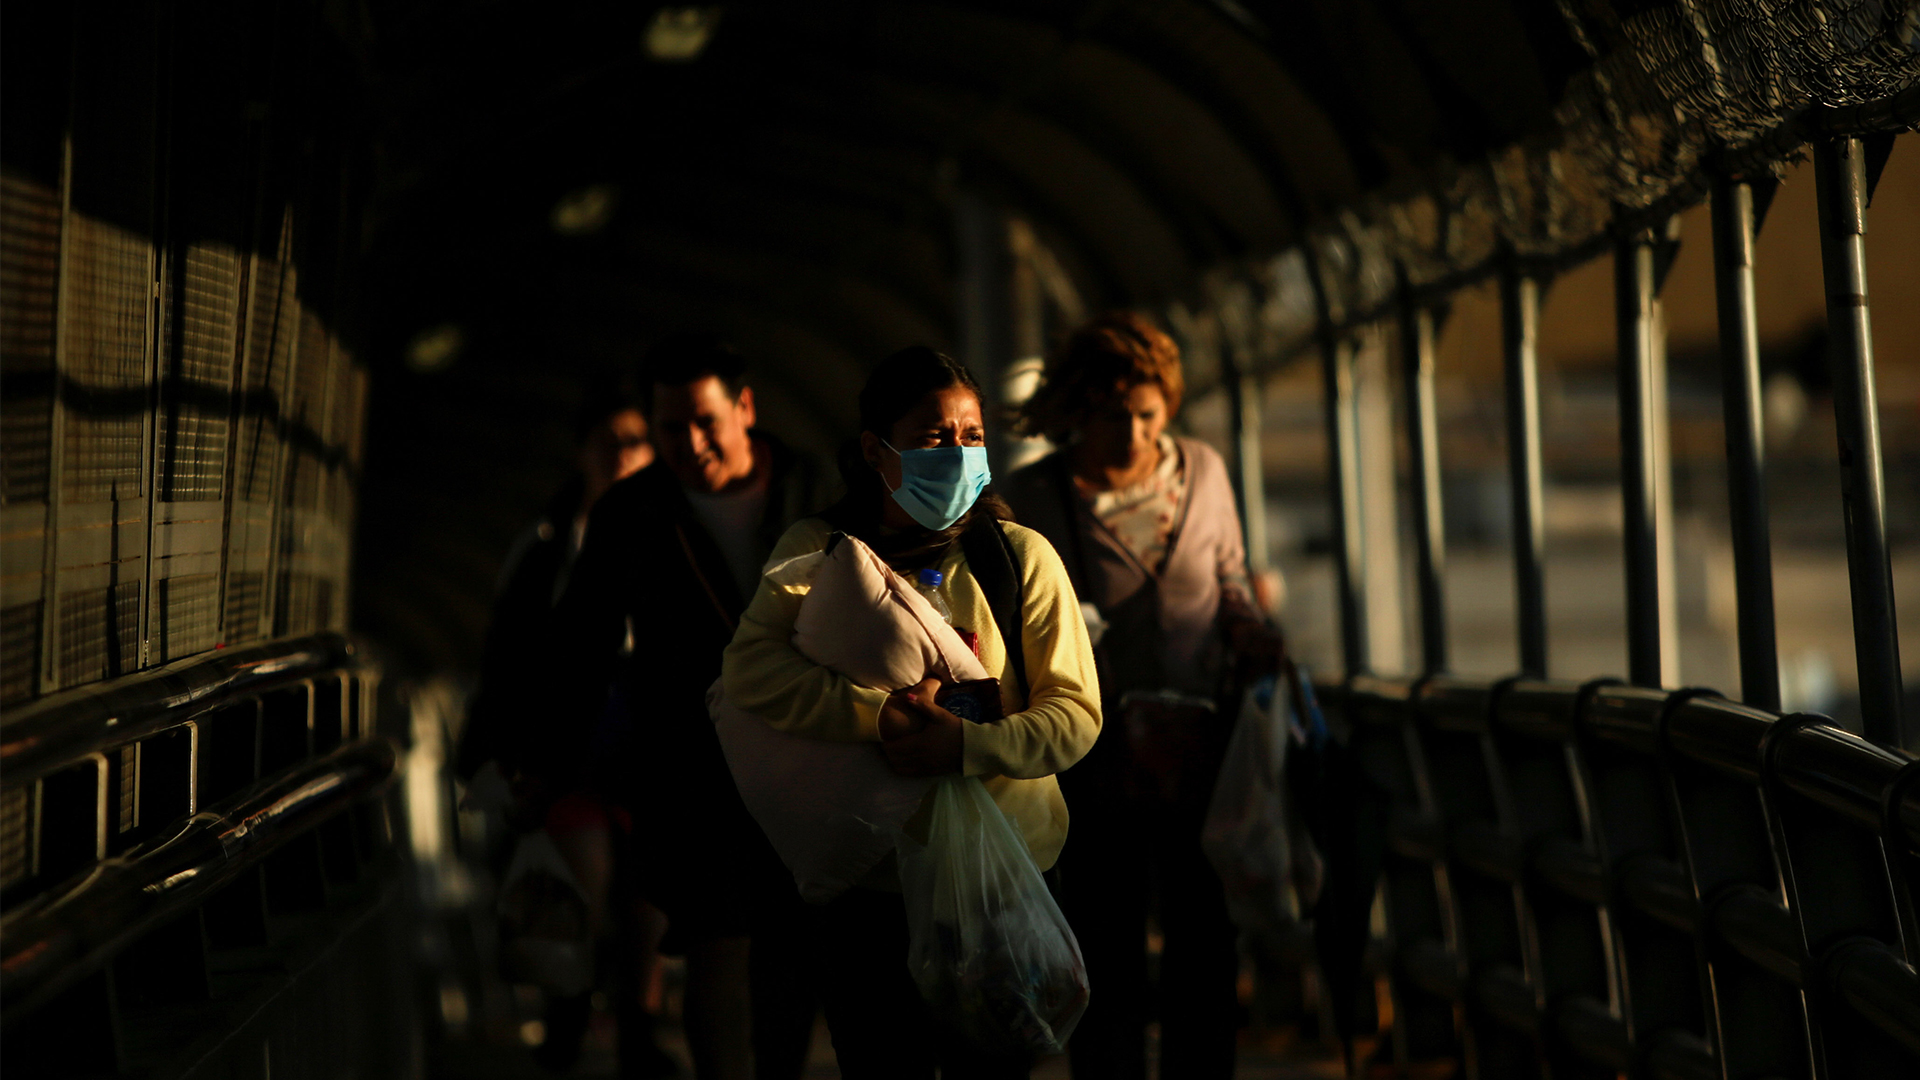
(672, 555)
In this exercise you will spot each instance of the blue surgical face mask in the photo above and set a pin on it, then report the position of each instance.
(939, 484)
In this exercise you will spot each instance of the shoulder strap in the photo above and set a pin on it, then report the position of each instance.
(991, 558)
(693, 564)
(1186, 503)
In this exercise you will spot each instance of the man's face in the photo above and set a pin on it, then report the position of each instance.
(702, 432)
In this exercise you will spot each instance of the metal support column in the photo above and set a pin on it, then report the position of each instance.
(1343, 462)
(1644, 482)
(1520, 329)
(1378, 464)
(1243, 392)
(1430, 538)
(985, 306)
(1733, 235)
(1840, 172)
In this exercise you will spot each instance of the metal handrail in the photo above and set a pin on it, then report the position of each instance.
(1857, 784)
(42, 737)
(52, 940)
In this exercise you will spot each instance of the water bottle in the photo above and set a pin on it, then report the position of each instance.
(927, 584)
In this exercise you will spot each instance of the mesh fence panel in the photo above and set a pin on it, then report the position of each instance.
(29, 272)
(1670, 85)
(195, 440)
(109, 285)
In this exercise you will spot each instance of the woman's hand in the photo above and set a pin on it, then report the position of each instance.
(919, 737)
(898, 718)
(1257, 647)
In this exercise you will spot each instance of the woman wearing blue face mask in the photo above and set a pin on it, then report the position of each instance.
(916, 481)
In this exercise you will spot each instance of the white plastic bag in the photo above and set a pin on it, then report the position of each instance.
(831, 809)
(989, 948)
(545, 938)
(1247, 834)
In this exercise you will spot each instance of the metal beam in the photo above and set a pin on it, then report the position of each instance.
(1644, 481)
(983, 305)
(1343, 462)
(1733, 236)
(1243, 395)
(1840, 173)
(1430, 536)
(1520, 331)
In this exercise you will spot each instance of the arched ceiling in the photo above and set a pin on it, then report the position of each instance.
(1146, 140)
(793, 186)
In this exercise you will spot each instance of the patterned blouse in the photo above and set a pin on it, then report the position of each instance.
(1144, 515)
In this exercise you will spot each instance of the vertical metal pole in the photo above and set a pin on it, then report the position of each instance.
(1520, 329)
(1343, 460)
(985, 305)
(1840, 172)
(1243, 392)
(1430, 538)
(1746, 441)
(1378, 465)
(1642, 475)
(47, 676)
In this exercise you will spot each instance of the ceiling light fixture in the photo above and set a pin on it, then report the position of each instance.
(586, 211)
(435, 348)
(678, 34)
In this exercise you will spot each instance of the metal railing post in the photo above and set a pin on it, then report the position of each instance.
(1643, 467)
(1243, 393)
(1733, 237)
(1840, 173)
(1430, 538)
(1343, 462)
(1520, 328)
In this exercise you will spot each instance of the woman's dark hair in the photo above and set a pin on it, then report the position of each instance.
(896, 385)
(683, 359)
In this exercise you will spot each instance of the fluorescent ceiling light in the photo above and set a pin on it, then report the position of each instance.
(678, 34)
(585, 211)
(435, 348)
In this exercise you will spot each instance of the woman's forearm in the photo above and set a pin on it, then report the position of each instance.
(1041, 741)
(765, 675)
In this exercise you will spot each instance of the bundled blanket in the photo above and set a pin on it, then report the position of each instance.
(833, 809)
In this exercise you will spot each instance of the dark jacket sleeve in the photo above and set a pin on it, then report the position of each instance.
(581, 651)
(516, 624)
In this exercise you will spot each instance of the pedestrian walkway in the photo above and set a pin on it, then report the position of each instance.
(1264, 1055)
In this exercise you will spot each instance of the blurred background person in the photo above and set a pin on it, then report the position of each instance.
(1147, 525)
(611, 431)
(509, 709)
(670, 558)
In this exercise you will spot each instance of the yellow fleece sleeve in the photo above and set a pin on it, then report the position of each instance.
(1062, 717)
(765, 675)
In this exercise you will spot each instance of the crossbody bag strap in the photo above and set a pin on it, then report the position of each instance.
(693, 563)
(995, 566)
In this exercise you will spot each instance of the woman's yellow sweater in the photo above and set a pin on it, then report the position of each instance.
(1016, 757)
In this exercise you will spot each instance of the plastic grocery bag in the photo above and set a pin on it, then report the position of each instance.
(990, 950)
(1249, 835)
(832, 809)
(545, 938)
